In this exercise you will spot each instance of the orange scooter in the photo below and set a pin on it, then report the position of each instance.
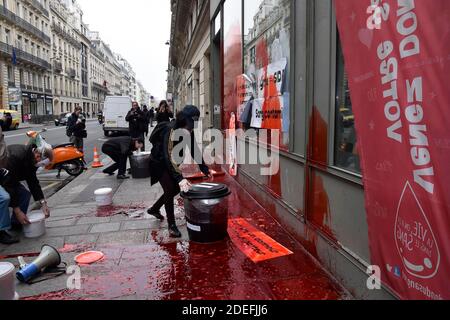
(65, 156)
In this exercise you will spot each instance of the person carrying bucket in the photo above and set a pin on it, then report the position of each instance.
(119, 149)
(165, 171)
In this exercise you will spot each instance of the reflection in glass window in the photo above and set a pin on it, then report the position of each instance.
(264, 86)
(346, 154)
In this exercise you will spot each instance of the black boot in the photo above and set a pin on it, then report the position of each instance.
(7, 239)
(156, 214)
(174, 232)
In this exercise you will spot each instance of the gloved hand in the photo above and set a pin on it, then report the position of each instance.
(185, 186)
(43, 163)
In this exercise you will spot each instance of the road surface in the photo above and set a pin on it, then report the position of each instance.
(55, 136)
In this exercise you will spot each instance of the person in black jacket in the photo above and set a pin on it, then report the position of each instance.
(164, 112)
(165, 170)
(76, 128)
(136, 120)
(146, 116)
(22, 164)
(151, 116)
(119, 149)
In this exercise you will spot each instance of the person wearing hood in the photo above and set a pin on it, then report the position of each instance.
(22, 165)
(164, 169)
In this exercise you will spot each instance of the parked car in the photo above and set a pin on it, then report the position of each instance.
(9, 119)
(62, 120)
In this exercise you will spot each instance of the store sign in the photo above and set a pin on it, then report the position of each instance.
(254, 243)
(15, 96)
(266, 95)
(397, 55)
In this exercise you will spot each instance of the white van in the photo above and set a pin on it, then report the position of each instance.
(115, 113)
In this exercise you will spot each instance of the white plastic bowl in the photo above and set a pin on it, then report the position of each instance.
(37, 227)
(7, 282)
(104, 197)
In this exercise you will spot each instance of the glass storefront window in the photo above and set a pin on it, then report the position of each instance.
(232, 57)
(265, 102)
(346, 144)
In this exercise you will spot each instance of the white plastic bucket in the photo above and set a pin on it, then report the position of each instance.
(7, 282)
(104, 197)
(37, 227)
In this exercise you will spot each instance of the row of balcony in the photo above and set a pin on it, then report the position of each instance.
(66, 93)
(23, 86)
(99, 87)
(36, 4)
(58, 68)
(72, 40)
(24, 57)
(18, 21)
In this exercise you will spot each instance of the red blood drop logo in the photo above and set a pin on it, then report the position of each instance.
(414, 237)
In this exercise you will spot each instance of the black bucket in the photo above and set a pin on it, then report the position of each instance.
(140, 165)
(206, 209)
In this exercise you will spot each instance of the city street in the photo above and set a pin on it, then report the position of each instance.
(300, 151)
(56, 136)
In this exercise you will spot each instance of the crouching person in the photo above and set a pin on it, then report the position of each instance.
(22, 164)
(5, 219)
(119, 149)
(165, 171)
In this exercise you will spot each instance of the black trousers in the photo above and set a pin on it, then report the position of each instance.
(120, 161)
(171, 190)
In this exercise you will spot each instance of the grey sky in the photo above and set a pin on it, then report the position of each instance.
(138, 30)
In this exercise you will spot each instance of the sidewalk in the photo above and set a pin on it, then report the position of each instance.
(50, 123)
(142, 262)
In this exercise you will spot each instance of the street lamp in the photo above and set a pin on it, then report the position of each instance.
(168, 43)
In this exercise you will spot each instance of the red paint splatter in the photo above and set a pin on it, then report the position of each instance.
(16, 255)
(110, 211)
(76, 248)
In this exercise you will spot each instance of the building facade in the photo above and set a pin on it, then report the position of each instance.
(285, 57)
(66, 56)
(142, 96)
(189, 65)
(25, 69)
(97, 73)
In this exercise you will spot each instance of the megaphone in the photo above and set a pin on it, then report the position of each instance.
(49, 258)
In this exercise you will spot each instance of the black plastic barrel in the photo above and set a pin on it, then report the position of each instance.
(140, 165)
(206, 209)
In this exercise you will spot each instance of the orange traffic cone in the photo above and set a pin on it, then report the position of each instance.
(97, 163)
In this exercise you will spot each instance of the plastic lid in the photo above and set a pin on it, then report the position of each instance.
(37, 216)
(141, 154)
(206, 191)
(6, 268)
(103, 191)
(89, 257)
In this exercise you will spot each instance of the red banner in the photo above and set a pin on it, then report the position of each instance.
(397, 55)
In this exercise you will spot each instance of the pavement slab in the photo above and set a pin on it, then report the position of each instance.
(142, 262)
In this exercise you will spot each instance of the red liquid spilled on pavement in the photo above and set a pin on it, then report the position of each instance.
(168, 269)
(16, 255)
(110, 211)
